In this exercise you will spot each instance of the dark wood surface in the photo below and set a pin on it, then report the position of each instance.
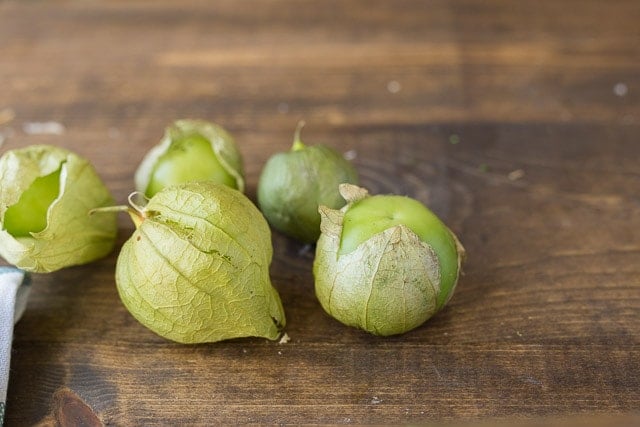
(517, 122)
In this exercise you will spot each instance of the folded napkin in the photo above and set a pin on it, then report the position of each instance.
(14, 290)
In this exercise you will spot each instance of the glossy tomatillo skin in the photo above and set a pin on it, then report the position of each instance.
(190, 158)
(293, 184)
(196, 269)
(29, 215)
(46, 194)
(385, 263)
(191, 150)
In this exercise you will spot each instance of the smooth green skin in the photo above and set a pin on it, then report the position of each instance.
(29, 215)
(372, 215)
(188, 159)
(293, 184)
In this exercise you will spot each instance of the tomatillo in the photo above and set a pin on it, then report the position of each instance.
(46, 194)
(196, 269)
(384, 263)
(191, 150)
(293, 184)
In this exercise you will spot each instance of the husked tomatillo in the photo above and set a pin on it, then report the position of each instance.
(384, 263)
(293, 184)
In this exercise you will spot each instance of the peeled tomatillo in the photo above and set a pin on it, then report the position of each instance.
(384, 263)
(293, 184)
(46, 194)
(191, 150)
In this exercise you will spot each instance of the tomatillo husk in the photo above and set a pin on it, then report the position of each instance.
(46, 194)
(191, 150)
(196, 269)
(384, 263)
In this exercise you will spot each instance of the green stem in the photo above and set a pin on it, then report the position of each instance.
(137, 212)
(297, 142)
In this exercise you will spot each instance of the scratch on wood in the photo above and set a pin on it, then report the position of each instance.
(435, 369)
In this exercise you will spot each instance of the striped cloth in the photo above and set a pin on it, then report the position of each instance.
(14, 290)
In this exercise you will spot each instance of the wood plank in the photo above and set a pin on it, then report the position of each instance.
(229, 383)
(518, 124)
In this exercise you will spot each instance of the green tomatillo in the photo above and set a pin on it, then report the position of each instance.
(46, 194)
(191, 150)
(196, 269)
(384, 263)
(293, 184)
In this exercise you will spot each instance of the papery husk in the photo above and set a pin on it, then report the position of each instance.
(222, 144)
(197, 267)
(388, 285)
(71, 236)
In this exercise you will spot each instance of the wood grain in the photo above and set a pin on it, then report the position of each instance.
(517, 123)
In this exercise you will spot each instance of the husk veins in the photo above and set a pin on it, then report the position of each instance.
(71, 236)
(197, 268)
(388, 285)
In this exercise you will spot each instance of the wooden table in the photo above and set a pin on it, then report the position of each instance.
(517, 122)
